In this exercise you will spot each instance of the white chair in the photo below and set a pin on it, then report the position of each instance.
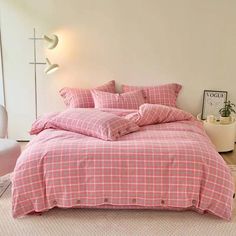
(9, 150)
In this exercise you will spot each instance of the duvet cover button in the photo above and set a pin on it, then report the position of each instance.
(78, 201)
(162, 202)
(105, 199)
(55, 202)
(194, 202)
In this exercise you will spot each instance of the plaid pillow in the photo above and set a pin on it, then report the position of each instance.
(165, 94)
(130, 100)
(77, 97)
(42, 123)
(149, 114)
(92, 122)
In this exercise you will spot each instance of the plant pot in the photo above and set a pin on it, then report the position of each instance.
(225, 120)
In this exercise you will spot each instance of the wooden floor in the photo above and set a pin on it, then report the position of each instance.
(229, 157)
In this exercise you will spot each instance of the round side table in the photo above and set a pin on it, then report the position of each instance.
(221, 135)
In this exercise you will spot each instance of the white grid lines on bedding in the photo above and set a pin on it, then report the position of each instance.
(165, 148)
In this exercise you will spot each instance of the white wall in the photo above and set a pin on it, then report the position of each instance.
(144, 42)
(1, 84)
(2, 102)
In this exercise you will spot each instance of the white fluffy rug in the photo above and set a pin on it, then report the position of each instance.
(112, 222)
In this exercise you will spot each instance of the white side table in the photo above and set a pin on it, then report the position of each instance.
(221, 135)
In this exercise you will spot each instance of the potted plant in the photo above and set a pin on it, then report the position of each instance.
(226, 111)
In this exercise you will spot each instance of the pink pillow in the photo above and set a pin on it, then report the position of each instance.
(90, 122)
(165, 94)
(77, 97)
(149, 114)
(93, 123)
(42, 123)
(130, 100)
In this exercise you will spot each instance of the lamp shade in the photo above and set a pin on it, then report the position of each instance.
(50, 67)
(52, 41)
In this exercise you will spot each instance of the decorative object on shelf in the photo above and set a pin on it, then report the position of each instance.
(212, 101)
(52, 43)
(211, 119)
(226, 111)
(199, 117)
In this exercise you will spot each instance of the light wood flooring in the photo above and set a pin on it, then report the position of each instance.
(229, 157)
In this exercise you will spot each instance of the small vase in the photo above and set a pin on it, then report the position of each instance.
(225, 120)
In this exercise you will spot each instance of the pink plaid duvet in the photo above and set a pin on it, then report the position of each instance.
(162, 166)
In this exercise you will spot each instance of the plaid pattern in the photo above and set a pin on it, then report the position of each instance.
(129, 100)
(149, 114)
(165, 166)
(92, 122)
(77, 97)
(42, 122)
(165, 94)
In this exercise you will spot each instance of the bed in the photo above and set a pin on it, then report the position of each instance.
(168, 163)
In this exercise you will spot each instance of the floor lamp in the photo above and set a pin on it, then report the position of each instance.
(52, 43)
